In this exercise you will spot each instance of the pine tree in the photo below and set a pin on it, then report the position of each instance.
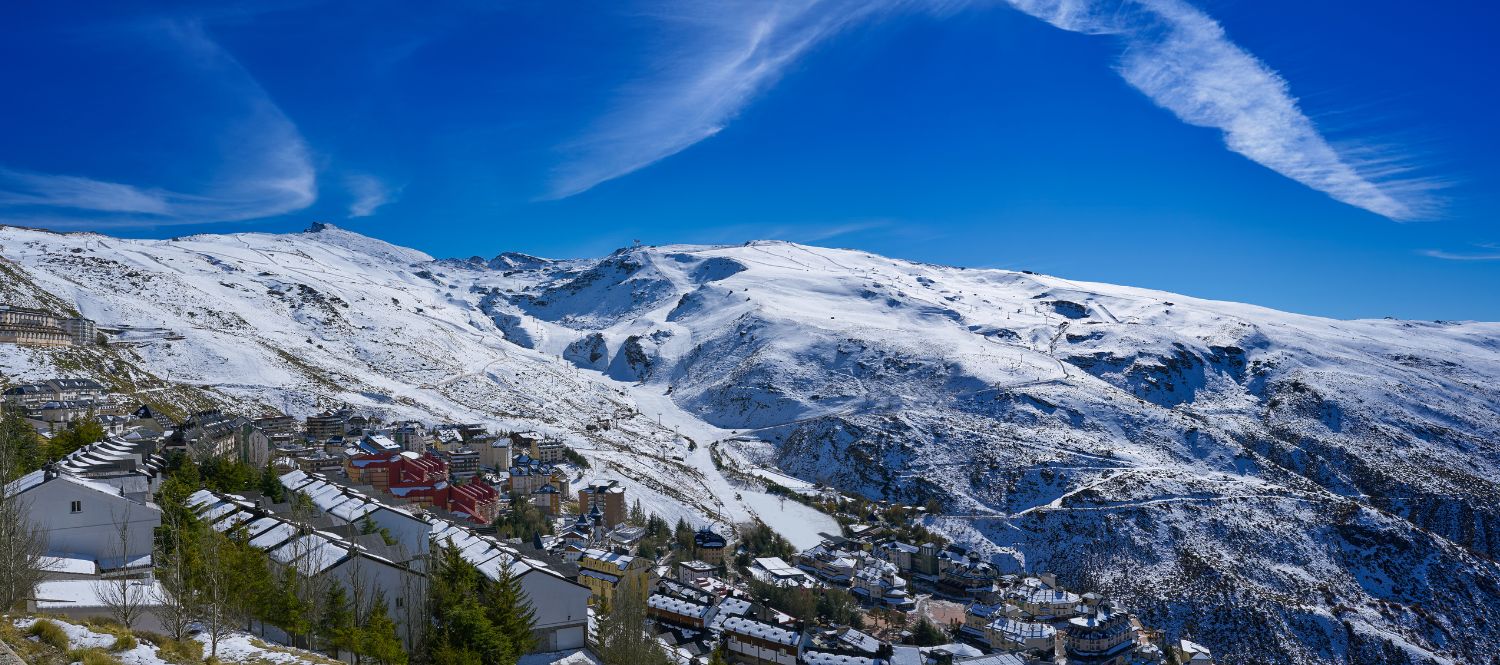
(22, 543)
(511, 612)
(336, 625)
(19, 444)
(462, 632)
(378, 639)
(683, 535)
(270, 484)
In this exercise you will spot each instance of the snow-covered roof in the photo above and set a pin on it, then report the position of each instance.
(778, 567)
(1019, 631)
(487, 554)
(39, 477)
(760, 630)
(675, 605)
(68, 565)
(823, 658)
(621, 560)
(53, 595)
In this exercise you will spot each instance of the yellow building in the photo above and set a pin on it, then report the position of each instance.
(605, 572)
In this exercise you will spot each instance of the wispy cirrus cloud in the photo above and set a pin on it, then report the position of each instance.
(1182, 60)
(265, 170)
(369, 192)
(728, 53)
(1482, 252)
(1175, 54)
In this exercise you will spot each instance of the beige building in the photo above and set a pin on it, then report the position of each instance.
(36, 327)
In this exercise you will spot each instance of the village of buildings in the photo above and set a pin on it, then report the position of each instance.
(385, 495)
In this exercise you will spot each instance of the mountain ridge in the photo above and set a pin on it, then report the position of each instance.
(1296, 478)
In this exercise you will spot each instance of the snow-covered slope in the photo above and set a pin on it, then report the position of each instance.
(1284, 488)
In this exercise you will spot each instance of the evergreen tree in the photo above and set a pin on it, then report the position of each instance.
(270, 484)
(252, 580)
(336, 625)
(287, 608)
(77, 434)
(511, 612)
(378, 639)
(637, 514)
(462, 632)
(524, 520)
(20, 445)
(22, 543)
(927, 634)
(683, 535)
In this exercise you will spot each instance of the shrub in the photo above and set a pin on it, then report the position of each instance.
(123, 642)
(49, 633)
(176, 651)
(92, 656)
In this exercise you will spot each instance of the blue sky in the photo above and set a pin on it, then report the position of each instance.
(1334, 158)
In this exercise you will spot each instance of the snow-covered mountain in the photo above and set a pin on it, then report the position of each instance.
(1285, 488)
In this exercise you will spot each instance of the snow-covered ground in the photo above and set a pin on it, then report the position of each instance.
(236, 647)
(1171, 450)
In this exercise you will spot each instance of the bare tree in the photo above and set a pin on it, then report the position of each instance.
(22, 542)
(125, 598)
(177, 605)
(217, 592)
(413, 601)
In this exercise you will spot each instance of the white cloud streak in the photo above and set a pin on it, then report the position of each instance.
(369, 192)
(267, 168)
(1488, 252)
(1179, 57)
(1184, 62)
(730, 52)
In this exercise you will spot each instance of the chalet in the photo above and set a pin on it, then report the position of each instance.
(209, 434)
(347, 505)
(827, 563)
(678, 612)
(325, 554)
(877, 582)
(760, 643)
(687, 571)
(774, 570)
(82, 518)
(1191, 653)
(844, 640)
(560, 605)
(33, 395)
(131, 466)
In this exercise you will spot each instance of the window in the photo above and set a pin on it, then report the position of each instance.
(400, 601)
(77, 507)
